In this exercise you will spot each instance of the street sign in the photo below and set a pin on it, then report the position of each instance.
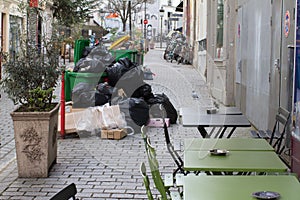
(176, 15)
(173, 19)
(287, 23)
(145, 21)
(33, 3)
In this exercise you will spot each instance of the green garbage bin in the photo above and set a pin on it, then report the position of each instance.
(79, 47)
(120, 53)
(140, 58)
(73, 78)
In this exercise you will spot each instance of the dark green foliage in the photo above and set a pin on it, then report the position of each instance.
(30, 76)
(69, 12)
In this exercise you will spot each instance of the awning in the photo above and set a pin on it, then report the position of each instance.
(112, 15)
(179, 8)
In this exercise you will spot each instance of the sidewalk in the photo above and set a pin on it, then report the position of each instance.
(106, 169)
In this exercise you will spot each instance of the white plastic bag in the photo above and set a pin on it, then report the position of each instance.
(111, 117)
(88, 120)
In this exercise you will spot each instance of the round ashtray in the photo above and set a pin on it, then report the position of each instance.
(218, 152)
(266, 195)
(211, 111)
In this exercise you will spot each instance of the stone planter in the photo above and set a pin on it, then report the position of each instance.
(36, 141)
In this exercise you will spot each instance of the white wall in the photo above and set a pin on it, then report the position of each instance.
(201, 22)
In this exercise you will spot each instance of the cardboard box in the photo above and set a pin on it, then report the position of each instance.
(70, 115)
(158, 122)
(92, 119)
(114, 134)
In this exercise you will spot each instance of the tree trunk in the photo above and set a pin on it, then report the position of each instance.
(124, 25)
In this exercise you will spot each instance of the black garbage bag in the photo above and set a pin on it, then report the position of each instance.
(101, 99)
(131, 81)
(127, 63)
(102, 54)
(125, 74)
(86, 51)
(83, 95)
(107, 59)
(114, 73)
(145, 92)
(139, 111)
(98, 51)
(103, 94)
(89, 65)
(104, 88)
(170, 110)
(136, 111)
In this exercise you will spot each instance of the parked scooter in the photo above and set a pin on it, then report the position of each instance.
(185, 55)
(174, 50)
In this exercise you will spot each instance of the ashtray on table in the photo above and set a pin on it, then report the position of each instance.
(211, 111)
(218, 152)
(266, 195)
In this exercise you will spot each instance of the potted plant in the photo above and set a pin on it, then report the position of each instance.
(30, 77)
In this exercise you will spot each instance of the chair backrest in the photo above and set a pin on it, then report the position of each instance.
(65, 194)
(175, 156)
(146, 181)
(154, 167)
(153, 163)
(144, 130)
(282, 119)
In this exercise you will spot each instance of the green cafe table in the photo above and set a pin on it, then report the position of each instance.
(238, 187)
(230, 144)
(234, 161)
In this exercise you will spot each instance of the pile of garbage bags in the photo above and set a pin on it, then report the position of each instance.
(94, 60)
(124, 86)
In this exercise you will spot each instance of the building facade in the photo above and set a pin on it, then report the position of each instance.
(248, 54)
(13, 24)
(240, 47)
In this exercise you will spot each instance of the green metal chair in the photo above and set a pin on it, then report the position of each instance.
(67, 193)
(143, 172)
(276, 136)
(161, 185)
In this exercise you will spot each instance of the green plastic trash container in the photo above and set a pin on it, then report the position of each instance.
(79, 47)
(131, 54)
(140, 58)
(73, 78)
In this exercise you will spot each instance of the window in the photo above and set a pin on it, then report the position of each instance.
(219, 28)
(14, 34)
(202, 45)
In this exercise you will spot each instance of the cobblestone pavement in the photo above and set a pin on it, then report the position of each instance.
(106, 169)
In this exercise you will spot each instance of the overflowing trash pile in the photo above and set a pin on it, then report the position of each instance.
(121, 83)
(177, 48)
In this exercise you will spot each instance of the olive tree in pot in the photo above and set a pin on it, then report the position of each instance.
(30, 77)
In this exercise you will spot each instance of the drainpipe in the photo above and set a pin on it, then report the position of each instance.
(62, 106)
